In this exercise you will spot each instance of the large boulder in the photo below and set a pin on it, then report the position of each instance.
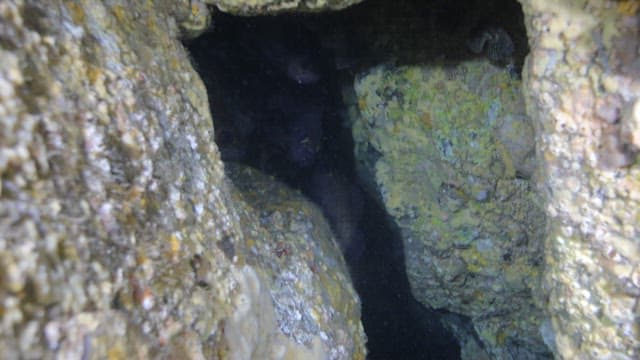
(307, 294)
(582, 86)
(121, 236)
(449, 150)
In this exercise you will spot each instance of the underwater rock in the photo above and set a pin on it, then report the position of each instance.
(591, 174)
(265, 7)
(471, 346)
(301, 255)
(121, 235)
(517, 135)
(442, 167)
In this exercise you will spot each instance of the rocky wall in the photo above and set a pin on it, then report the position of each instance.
(582, 83)
(120, 235)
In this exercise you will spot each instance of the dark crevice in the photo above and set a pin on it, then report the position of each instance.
(276, 87)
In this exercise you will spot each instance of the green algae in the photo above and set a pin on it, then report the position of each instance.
(447, 174)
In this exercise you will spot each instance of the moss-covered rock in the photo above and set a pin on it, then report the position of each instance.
(120, 236)
(440, 147)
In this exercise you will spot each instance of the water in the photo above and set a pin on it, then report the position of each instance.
(275, 86)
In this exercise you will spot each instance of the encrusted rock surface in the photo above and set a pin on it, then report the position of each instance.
(582, 85)
(120, 236)
(448, 150)
(309, 283)
(256, 7)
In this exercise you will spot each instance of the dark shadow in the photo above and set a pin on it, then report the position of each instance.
(397, 325)
(275, 88)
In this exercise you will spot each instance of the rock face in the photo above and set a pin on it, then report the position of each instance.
(313, 300)
(261, 7)
(582, 86)
(440, 146)
(121, 237)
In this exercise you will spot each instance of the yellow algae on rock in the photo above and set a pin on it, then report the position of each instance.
(457, 183)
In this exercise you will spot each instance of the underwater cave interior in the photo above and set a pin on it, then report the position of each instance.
(276, 88)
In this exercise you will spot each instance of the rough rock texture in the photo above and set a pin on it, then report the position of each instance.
(582, 88)
(120, 237)
(193, 17)
(448, 149)
(256, 7)
(313, 300)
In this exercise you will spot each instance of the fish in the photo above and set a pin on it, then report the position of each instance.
(302, 70)
(342, 203)
(304, 137)
(495, 43)
(296, 123)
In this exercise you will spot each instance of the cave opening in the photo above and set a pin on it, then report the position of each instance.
(277, 89)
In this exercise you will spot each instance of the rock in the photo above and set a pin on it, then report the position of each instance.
(193, 17)
(470, 345)
(122, 237)
(517, 135)
(587, 137)
(439, 148)
(262, 7)
(314, 303)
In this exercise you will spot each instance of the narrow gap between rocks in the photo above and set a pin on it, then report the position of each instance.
(276, 87)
